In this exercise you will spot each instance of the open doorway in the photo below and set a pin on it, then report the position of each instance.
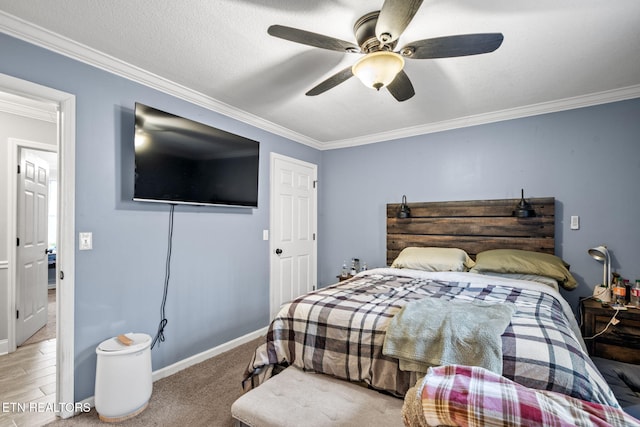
(23, 95)
(33, 365)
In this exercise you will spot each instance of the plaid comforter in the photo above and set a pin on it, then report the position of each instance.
(339, 330)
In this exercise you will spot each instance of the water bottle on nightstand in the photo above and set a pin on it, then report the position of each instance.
(635, 295)
(618, 290)
(355, 265)
(344, 273)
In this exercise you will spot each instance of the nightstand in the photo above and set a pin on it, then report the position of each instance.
(620, 342)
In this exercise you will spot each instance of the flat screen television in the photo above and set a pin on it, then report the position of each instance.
(182, 161)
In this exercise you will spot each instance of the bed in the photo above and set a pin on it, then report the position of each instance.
(473, 257)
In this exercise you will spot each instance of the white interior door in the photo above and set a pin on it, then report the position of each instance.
(33, 182)
(293, 229)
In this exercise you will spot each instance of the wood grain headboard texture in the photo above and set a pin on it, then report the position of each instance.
(473, 226)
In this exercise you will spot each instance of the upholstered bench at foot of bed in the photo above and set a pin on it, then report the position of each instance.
(297, 398)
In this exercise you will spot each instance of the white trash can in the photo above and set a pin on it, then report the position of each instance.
(123, 377)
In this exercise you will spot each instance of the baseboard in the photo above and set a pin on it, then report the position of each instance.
(207, 354)
(4, 347)
(193, 360)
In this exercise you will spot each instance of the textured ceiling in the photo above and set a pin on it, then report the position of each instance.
(555, 55)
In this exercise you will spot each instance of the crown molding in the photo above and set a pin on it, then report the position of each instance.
(24, 107)
(582, 101)
(49, 40)
(39, 36)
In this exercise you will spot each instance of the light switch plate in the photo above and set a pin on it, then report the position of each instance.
(575, 222)
(86, 241)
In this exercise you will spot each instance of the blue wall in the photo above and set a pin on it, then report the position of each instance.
(588, 159)
(219, 288)
(220, 272)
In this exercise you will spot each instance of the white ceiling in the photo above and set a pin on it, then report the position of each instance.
(556, 54)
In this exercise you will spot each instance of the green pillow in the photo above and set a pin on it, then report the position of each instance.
(525, 262)
(433, 259)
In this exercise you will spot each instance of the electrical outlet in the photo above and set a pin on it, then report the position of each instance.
(575, 222)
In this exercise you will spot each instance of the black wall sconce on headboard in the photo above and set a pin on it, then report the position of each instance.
(523, 209)
(404, 211)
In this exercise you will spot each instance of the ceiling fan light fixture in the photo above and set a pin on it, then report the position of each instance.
(378, 69)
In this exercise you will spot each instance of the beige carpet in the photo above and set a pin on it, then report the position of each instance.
(48, 331)
(197, 396)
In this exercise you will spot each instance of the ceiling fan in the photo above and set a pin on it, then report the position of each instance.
(377, 34)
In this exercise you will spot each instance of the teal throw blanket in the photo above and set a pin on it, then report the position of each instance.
(434, 332)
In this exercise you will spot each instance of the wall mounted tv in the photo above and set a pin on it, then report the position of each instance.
(178, 160)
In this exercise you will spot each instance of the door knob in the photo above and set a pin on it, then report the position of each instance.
(278, 251)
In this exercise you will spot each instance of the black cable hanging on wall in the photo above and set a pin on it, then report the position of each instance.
(167, 273)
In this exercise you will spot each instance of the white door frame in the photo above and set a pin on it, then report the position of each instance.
(65, 258)
(272, 222)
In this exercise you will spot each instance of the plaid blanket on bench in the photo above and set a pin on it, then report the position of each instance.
(456, 395)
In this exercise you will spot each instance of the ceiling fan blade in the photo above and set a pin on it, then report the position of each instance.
(394, 18)
(312, 39)
(401, 87)
(451, 46)
(331, 82)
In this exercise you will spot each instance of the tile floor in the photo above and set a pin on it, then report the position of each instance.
(28, 385)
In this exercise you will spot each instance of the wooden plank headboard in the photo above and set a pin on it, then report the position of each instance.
(474, 226)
